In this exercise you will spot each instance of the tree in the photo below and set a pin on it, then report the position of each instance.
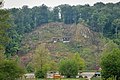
(80, 62)
(116, 23)
(100, 17)
(41, 56)
(68, 68)
(41, 60)
(102, 20)
(110, 64)
(56, 14)
(43, 14)
(110, 46)
(4, 26)
(14, 44)
(67, 14)
(99, 5)
(40, 74)
(10, 70)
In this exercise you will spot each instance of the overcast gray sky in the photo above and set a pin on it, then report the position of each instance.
(51, 3)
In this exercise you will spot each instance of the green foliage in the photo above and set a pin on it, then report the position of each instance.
(77, 58)
(14, 44)
(110, 46)
(67, 14)
(116, 24)
(103, 18)
(110, 64)
(10, 70)
(40, 74)
(69, 68)
(41, 57)
(100, 16)
(4, 26)
(55, 15)
(117, 41)
(53, 66)
(86, 54)
(29, 69)
(41, 61)
(2, 57)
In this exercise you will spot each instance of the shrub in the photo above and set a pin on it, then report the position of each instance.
(10, 70)
(39, 74)
(68, 68)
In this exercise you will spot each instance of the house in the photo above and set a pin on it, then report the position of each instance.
(55, 39)
(66, 39)
(61, 39)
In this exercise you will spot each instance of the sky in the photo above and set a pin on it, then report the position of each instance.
(51, 3)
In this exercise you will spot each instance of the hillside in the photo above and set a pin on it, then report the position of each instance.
(62, 39)
(65, 39)
(34, 27)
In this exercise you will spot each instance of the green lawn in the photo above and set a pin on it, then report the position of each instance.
(71, 79)
(66, 79)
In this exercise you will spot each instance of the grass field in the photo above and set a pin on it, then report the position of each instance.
(66, 79)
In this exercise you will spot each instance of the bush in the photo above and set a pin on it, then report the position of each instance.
(68, 68)
(29, 69)
(39, 74)
(10, 70)
(110, 64)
